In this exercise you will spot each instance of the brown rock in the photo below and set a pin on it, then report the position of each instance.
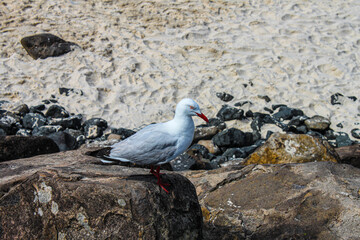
(316, 200)
(317, 123)
(350, 154)
(213, 149)
(14, 147)
(292, 148)
(70, 195)
(203, 133)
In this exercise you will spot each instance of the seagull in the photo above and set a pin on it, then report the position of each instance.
(159, 143)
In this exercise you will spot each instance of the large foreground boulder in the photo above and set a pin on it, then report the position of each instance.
(315, 200)
(70, 195)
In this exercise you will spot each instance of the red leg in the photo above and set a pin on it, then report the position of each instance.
(157, 175)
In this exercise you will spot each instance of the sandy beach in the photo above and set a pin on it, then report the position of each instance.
(139, 58)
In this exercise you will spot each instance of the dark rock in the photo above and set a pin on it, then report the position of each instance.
(343, 139)
(217, 122)
(182, 163)
(73, 122)
(230, 138)
(78, 135)
(46, 45)
(32, 120)
(330, 134)
(46, 101)
(301, 129)
(56, 111)
(14, 147)
(94, 127)
(355, 133)
(63, 140)
(235, 153)
(350, 154)
(240, 104)
(46, 130)
(198, 149)
(227, 113)
(317, 123)
(101, 123)
(286, 113)
(21, 110)
(123, 132)
(268, 110)
(37, 109)
(259, 120)
(336, 98)
(2, 132)
(266, 98)
(339, 125)
(23, 132)
(249, 114)
(352, 98)
(276, 106)
(297, 121)
(268, 134)
(9, 124)
(68, 91)
(224, 96)
(74, 196)
(286, 201)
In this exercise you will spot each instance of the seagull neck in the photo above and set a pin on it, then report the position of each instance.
(183, 121)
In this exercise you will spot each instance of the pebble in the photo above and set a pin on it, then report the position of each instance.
(317, 123)
(56, 111)
(227, 113)
(32, 120)
(224, 96)
(230, 138)
(355, 133)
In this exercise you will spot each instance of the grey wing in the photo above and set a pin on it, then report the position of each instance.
(148, 146)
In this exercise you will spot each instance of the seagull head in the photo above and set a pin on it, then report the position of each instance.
(189, 107)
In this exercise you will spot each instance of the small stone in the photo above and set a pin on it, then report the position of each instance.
(69, 91)
(317, 123)
(46, 45)
(276, 106)
(268, 110)
(73, 122)
(342, 139)
(352, 98)
(286, 113)
(235, 153)
(123, 132)
(46, 130)
(63, 140)
(266, 98)
(213, 149)
(336, 98)
(227, 113)
(21, 110)
(355, 133)
(217, 122)
(240, 104)
(56, 111)
(224, 96)
(101, 123)
(23, 132)
(339, 125)
(182, 162)
(259, 120)
(301, 129)
(230, 138)
(297, 121)
(113, 136)
(32, 120)
(37, 109)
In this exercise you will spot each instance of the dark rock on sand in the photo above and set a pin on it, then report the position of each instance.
(336, 98)
(37, 109)
(342, 139)
(21, 110)
(217, 122)
(69, 91)
(9, 124)
(73, 122)
(286, 113)
(56, 111)
(14, 147)
(32, 120)
(317, 123)
(123, 132)
(94, 127)
(46, 45)
(46, 130)
(224, 96)
(227, 113)
(205, 133)
(230, 138)
(355, 133)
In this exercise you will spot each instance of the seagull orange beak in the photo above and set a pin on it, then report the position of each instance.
(202, 116)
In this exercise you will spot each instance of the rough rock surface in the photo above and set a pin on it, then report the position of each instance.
(292, 148)
(350, 154)
(316, 200)
(14, 147)
(70, 195)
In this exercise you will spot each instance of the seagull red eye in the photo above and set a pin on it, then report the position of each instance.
(191, 107)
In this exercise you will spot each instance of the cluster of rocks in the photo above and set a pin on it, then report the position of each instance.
(68, 131)
(215, 144)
